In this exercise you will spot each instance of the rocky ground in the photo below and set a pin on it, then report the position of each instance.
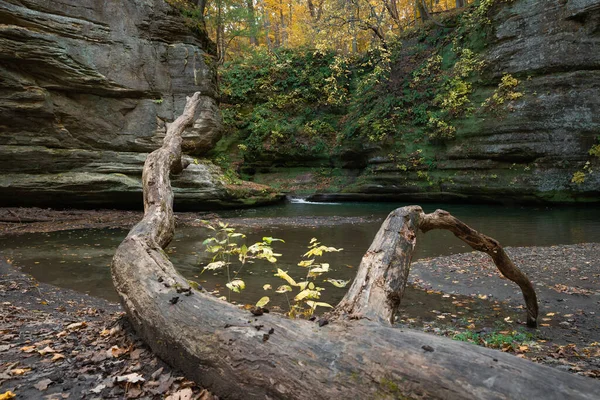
(483, 307)
(60, 344)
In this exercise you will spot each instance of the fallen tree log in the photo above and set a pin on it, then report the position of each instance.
(238, 356)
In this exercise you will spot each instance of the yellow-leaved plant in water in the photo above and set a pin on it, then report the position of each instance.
(223, 244)
(306, 300)
(224, 247)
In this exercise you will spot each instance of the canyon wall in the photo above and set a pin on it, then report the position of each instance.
(87, 90)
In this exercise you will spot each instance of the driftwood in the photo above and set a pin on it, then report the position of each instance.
(359, 355)
(381, 278)
(443, 220)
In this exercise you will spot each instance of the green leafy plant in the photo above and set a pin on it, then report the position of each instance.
(224, 246)
(440, 129)
(504, 93)
(226, 249)
(578, 177)
(497, 339)
(305, 301)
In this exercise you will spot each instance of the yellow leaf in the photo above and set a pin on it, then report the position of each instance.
(267, 287)
(28, 349)
(315, 304)
(19, 371)
(116, 351)
(77, 325)
(236, 285)
(46, 350)
(57, 357)
(7, 395)
(282, 274)
(307, 294)
(283, 289)
(338, 282)
(318, 271)
(550, 314)
(263, 301)
(306, 263)
(215, 265)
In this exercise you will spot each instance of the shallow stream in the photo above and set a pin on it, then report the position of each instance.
(80, 259)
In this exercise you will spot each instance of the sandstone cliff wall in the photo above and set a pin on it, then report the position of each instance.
(526, 150)
(87, 88)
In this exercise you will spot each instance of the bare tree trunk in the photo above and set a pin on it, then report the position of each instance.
(460, 3)
(201, 6)
(252, 22)
(381, 278)
(311, 9)
(282, 27)
(220, 33)
(420, 11)
(425, 14)
(392, 8)
(238, 356)
(267, 27)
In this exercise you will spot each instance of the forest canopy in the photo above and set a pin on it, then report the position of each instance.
(345, 26)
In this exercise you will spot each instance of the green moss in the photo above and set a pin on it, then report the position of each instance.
(391, 388)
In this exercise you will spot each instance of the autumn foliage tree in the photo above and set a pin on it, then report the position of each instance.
(346, 26)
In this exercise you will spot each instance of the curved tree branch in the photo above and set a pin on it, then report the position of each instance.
(441, 219)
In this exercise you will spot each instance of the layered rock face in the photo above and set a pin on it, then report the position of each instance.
(87, 89)
(530, 149)
(530, 153)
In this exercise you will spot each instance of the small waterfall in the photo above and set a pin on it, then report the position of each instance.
(303, 200)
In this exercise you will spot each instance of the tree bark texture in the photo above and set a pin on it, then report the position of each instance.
(379, 285)
(239, 356)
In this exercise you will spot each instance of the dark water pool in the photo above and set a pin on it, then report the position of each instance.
(80, 259)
